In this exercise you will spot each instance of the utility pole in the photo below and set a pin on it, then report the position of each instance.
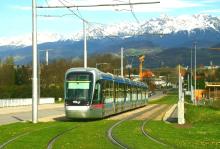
(181, 119)
(47, 56)
(180, 84)
(192, 95)
(195, 77)
(122, 51)
(85, 44)
(35, 63)
(188, 81)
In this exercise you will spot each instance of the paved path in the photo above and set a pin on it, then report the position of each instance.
(24, 113)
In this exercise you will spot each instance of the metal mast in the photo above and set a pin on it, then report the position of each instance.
(191, 86)
(195, 75)
(122, 68)
(47, 56)
(85, 44)
(35, 63)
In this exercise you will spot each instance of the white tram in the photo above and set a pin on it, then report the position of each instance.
(90, 93)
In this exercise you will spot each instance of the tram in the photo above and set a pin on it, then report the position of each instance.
(90, 93)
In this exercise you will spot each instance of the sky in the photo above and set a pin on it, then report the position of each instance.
(16, 15)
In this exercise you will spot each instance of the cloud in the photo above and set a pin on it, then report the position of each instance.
(210, 1)
(24, 8)
(211, 11)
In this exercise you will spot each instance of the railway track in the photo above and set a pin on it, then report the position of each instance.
(147, 134)
(55, 138)
(19, 136)
(50, 143)
(117, 142)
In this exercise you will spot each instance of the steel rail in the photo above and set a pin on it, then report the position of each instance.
(147, 134)
(115, 140)
(21, 135)
(54, 139)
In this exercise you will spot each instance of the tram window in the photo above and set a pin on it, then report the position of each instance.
(97, 93)
(108, 91)
(129, 92)
(139, 93)
(79, 77)
(143, 93)
(121, 92)
(134, 93)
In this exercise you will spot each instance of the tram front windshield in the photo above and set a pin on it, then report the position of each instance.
(79, 88)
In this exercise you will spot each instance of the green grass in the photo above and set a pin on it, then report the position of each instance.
(130, 134)
(15, 129)
(169, 99)
(89, 135)
(202, 129)
(39, 138)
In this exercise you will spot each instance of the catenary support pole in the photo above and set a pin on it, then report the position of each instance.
(181, 119)
(191, 87)
(47, 57)
(35, 67)
(85, 44)
(122, 68)
(195, 77)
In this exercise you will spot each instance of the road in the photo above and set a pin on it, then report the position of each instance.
(24, 113)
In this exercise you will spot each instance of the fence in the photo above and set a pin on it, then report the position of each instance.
(23, 102)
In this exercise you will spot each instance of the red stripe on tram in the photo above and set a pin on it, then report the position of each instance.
(97, 106)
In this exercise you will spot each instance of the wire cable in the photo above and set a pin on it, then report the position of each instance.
(78, 16)
(100, 5)
(53, 16)
(132, 12)
(47, 3)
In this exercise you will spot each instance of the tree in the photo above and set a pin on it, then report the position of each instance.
(22, 76)
(7, 75)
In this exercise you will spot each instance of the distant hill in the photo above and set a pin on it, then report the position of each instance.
(164, 41)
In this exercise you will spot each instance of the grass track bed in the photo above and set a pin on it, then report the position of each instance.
(87, 135)
(13, 130)
(130, 134)
(197, 136)
(38, 138)
(202, 130)
(91, 135)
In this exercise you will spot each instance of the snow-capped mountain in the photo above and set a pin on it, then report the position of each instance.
(26, 40)
(166, 24)
(162, 25)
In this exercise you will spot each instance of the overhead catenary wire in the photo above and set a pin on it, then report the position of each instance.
(69, 8)
(99, 5)
(47, 3)
(53, 16)
(132, 12)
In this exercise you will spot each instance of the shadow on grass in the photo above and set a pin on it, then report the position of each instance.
(65, 119)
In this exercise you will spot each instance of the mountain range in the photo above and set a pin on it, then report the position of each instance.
(158, 38)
